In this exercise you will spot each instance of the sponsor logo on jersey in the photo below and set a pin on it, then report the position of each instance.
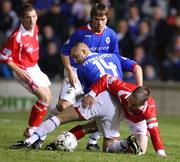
(7, 51)
(99, 48)
(108, 40)
(87, 36)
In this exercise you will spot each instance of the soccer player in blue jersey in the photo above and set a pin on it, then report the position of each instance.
(100, 38)
(90, 67)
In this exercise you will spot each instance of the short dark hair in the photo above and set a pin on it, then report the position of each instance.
(100, 10)
(25, 8)
(141, 94)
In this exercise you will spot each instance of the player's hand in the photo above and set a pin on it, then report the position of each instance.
(87, 101)
(73, 79)
(161, 153)
(164, 156)
(23, 75)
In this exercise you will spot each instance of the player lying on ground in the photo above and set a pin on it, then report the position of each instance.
(139, 109)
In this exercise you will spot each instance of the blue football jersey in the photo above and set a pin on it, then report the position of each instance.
(106, 42)
(97, 65)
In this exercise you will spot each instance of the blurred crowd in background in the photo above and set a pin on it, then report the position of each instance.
(148, 31)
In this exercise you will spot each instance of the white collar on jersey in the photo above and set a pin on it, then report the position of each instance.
(26, 32)
(89, 27)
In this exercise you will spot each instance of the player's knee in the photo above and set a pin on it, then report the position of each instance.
(47, 98)
(45, 95)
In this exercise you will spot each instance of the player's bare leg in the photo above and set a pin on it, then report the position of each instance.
(128, 145)
(142, 141)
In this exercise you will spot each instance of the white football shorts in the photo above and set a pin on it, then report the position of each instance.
(68, 92)
(38, 79)
(106, 111)
(137, 128)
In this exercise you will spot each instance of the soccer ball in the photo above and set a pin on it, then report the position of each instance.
(66, 141)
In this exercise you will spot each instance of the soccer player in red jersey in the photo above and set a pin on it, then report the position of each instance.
(139, 109)
(21, 54)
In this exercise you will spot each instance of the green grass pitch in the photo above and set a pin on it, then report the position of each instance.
(12, 126)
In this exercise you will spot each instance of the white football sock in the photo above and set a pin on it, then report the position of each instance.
(117, 146)
(93, 138)
(45, 128)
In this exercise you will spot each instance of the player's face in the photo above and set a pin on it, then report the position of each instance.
(78, 55)
(99, 23)
(29, 20)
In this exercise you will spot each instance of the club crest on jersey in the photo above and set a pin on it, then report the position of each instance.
(29, 49)
(107, 40)
(111, 79)
(7, 51)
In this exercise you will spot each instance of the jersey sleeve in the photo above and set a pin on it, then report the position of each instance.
(153, 128)
(127, 64)
(114, 47)
(8, 50)
(106, 82)
(66, 48)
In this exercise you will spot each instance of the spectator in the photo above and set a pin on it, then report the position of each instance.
(9, 20)
(149, 72)
(171, 66)
(124, 38)
(81, 9)
(66, 9)
(143, 36)
(148, 6)
(43, 6)
(48, 35)
(159, 33)
(142, 57)
(57, 20)
(51, 62)
(133, 19)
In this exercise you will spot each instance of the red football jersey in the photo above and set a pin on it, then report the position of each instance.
(147, 112)
(22, 48)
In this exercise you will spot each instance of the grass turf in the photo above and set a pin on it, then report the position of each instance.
(13, 124)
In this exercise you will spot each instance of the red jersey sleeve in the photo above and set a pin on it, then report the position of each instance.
(152, 124)
(106, 82)
(8, 49)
